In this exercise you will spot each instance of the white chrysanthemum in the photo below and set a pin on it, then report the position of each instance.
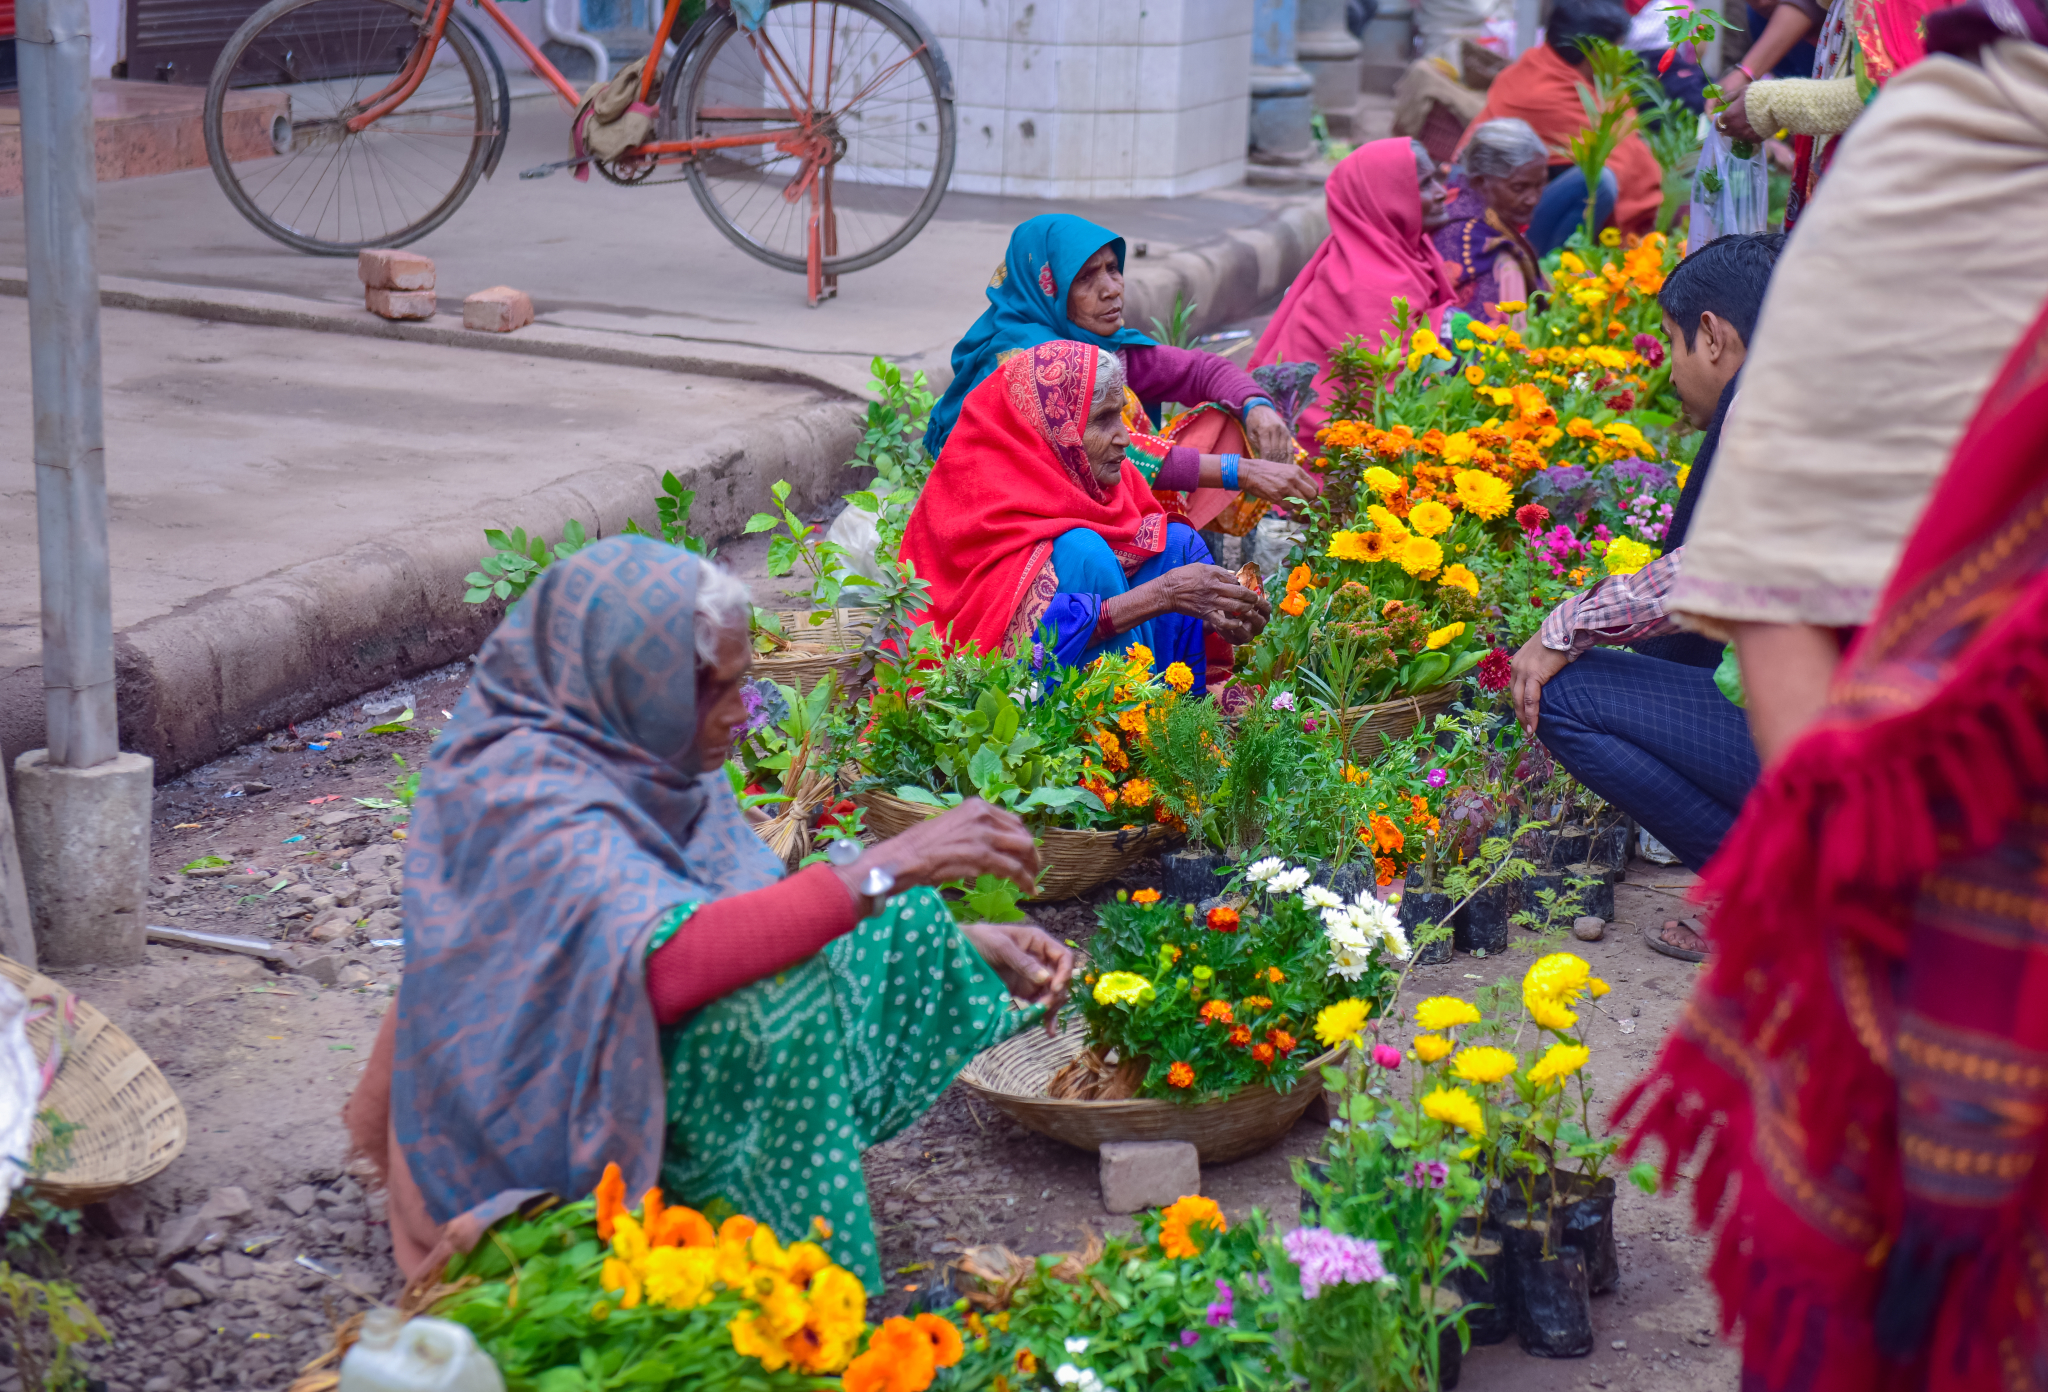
(1264, 870)
(1287, 881)
(1337, 920)
(1395, 941)
(1316, 897)
(1350, 952)
(1375, 919)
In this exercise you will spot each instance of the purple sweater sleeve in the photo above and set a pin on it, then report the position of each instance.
(1187, 376)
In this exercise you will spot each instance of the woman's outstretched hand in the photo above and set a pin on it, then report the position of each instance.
(1265, 430)
(1035, 966)
(1262, 478)
(969, 840)
(1211, 593)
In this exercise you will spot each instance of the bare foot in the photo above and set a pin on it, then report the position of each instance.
(1679, 934)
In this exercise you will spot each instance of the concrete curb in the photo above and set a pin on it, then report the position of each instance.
(1229, 277)
(231, 665)
(827, 373)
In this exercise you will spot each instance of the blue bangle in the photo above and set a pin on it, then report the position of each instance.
(1252, 401)
(1230, 471)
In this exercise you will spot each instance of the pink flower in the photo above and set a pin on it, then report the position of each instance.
(1496, 670)
(1651, 349)
(1438, 777)
(1386, 1056)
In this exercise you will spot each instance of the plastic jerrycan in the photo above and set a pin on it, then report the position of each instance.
(395, 1354)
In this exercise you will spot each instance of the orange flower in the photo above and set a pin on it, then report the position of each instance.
(1216, 1012)
(1026, 1362)
(1183, 1214)
(899, 1359)
(611, 1201)
(1383, 869)
(1296, 603)
(945, 1339)
(1145, 896)
(1241, 1035)
(1385, 834)
(1281, 1040)
(1273, 975)
(1257, 1003)
(1223, 919)
(1299, 579)
(1263, 1053)
(1181, 1075)
(1138, 793)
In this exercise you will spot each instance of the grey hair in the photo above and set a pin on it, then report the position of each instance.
(723, 605)
(1109, 381)
(1498, 148)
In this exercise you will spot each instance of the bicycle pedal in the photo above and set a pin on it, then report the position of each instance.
(541, 171)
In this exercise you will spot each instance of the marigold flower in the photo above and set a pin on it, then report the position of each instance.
(1240, 1036)
(1138, 793)
(1222, 919)
(1383, 481)
(1181, 1075)
(1428, 519)
(1626, 556)
(1300, 578)
(1144, 896)
(1475, 374)
(1446, 635)
(1460, 577)
(1420, 556)
(1445, 1012)
(1385, 835)
(1294, 606)
(1027, 1363)
(1252, 1005)
(1432, 1048)
(1348, 546)
(1483, 495)
(1560, 1062)
(1179, 676)
(1179, 1219)
(1456, 1107)
(611, 1200)
(1216, 1012)
(1263, 1053)
(1483, 1065)
(1272, 974)
(1133, 721)
(1383, 870)
(945, 1339)
(1342, 1023)
(1138, 657)
(1121, 988)
(1282, 1042)
(899, 1358)
(1387, 522)
(1552, 986)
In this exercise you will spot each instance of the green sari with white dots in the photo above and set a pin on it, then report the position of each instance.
(776, 1090)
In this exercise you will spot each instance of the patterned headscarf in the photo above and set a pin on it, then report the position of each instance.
(559, 816)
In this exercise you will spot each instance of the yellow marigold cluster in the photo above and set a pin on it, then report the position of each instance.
(1559, 1063)
(1626, 556)
(1342, 1023)
(1456, 1107)
(1445, 1012)
(1483, 1065)
(1556, 983)
(1483, 495)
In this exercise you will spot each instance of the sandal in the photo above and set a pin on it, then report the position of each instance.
(1653, 935)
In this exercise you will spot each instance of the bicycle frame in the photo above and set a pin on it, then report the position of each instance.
(808, 109)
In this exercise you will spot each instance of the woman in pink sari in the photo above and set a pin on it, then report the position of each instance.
(1385, 198)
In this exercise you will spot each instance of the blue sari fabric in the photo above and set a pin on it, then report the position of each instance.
(1027, 306)
(1088, 572)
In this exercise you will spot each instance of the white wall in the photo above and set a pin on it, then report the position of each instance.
(1097, 98)
(109, 34)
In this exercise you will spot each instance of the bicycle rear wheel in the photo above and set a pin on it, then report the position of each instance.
(316, 185)
(879, 101)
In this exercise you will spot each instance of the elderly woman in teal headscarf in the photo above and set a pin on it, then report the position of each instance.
(1063, 278)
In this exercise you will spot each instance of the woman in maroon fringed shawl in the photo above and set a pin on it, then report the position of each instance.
(1868, 1057)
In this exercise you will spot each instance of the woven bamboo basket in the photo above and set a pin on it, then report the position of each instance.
(1075, 861)
(130, 1123)
(1012, 1078)
(833, 646)
(1396, 719)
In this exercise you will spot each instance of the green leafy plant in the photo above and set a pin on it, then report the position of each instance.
(672, 517)
(205, 862)
(1610, 116)
(892, 442)
(397, 725)
(794, 544)
(50, 1319)
(516, 561)
(1179, 329)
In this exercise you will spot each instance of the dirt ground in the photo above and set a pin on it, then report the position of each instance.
(229, 1269)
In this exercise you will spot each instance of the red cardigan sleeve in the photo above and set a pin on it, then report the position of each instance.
(731, 942)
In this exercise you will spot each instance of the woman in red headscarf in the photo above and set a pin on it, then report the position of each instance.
(1036, 532)
(1385, 198)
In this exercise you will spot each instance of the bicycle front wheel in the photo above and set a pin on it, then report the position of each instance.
(872, 95)
(307, 179)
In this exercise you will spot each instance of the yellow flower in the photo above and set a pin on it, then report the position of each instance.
(1447, 634)
(1382, 481)
(1559, 1063)
(623, 1279)
(1121, 988)
(1445, 1012)
(1429, 518)
(1483, 495)
(681, 1277)
(1462, 578)
(1188, 1211)
(1425, 345)
(1378, 546)
(1133, 722)
(1598, 988)
(1456, 1107)
(1483, 1065)
(1387, 522)
(1552, 986)
(1342, 1023)
(1349, 546)
(1512, 306)
(1684, 473)
(1610, 236)
(1475, 374)
(754, 1337)
(1459, 448)
(1420, 555)
(1626, 556)
(1432, 1047)
(1178, 676)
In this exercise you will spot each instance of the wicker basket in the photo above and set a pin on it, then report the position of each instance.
(838, 637)
(1012, 1078)
(1395, 719)
(1075, 861)
(131, 1123)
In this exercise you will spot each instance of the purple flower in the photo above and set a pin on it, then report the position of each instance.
(1284, 701)
(1220, 1310)
(1189, 1338)
(1438, 777)
(1332, 1259)
(1309, 725)
(1433, 1175)
(1640, 473)
(1037, 654)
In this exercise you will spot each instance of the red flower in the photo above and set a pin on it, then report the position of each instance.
(1263, 1053)
(1664, 63)
(1281, 1040)
(1223, 919)
(1216, 1012)
(1496, 669)
(1181, 1075)
(1651, 350)
(1623, 400)
(1531, 516)
(1241, 1036)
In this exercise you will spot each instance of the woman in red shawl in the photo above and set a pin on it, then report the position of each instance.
(1868, 1055)
(1035, 531)
(1385, 198)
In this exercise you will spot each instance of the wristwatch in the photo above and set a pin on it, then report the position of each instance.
(879, 884)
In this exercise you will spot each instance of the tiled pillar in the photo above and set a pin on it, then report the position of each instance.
(1097, 98)
(1280, 129)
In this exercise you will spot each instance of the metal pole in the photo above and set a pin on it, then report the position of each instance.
(53, 50)
(1528, 19)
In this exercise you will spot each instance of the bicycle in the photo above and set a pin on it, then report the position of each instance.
(395, 109)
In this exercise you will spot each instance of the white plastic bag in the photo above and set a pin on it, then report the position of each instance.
(1731, 193)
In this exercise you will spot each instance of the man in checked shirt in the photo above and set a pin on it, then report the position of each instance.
(1649, 730)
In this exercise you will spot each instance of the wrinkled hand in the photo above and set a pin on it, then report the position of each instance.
(1732, 84)
(1211, 593)
(1034, 965)
(1735, 119)
(969, 840)
(1262, 478)
(1532, 667)
(1265, 430)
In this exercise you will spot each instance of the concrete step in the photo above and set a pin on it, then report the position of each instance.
(149, 128)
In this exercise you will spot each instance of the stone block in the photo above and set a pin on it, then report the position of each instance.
(384, 923)
(197, 1279)
(386, 268)
(1147, 1174)
(228, 1204)
(323, 968)
(500, 309)
(84, 839)
(399, 304)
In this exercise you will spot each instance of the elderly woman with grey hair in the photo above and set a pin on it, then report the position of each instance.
(1495, 188)
(1038, 535)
